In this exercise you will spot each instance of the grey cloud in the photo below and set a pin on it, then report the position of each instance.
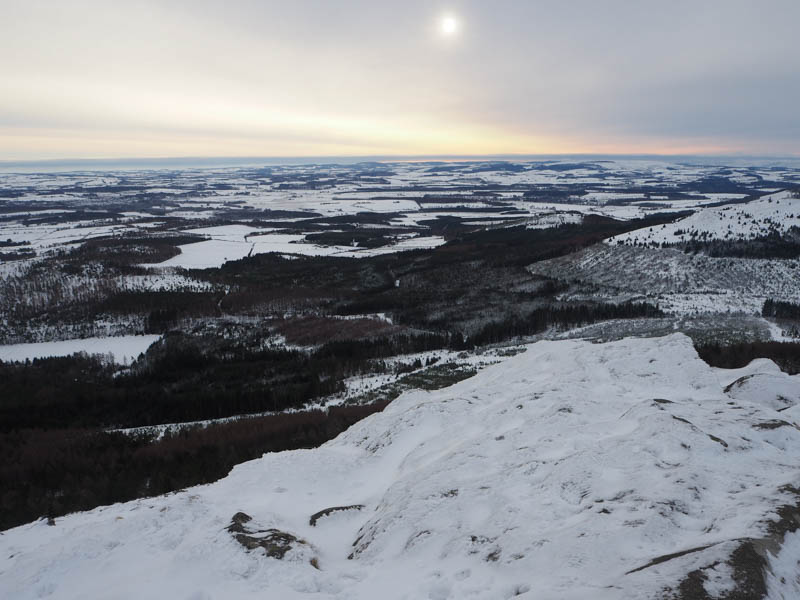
(727, 70)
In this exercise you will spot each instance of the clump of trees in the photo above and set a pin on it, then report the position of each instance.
(195, 377)
(777, 309)
(180, 380)
(773, 245)
(735, 356)
(126, 251)
(541, 319)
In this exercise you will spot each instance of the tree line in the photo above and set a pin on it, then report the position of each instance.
(564, 317)
(773, 245)
(52, 473)
(778, 309)
(735, 356)
(190, 378)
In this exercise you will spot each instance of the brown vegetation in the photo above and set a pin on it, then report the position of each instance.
(51, 473)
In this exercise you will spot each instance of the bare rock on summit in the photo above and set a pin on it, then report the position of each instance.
(274, 542)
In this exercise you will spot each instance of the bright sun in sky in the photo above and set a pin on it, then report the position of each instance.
(449, 25)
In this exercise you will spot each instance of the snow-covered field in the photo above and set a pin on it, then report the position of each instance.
(402, 191)
(570, 471)
(48, 236)
(215, 252)
(123, 349)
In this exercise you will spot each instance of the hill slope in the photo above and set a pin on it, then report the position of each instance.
(776, 212)
(682, 282)
(570, 471)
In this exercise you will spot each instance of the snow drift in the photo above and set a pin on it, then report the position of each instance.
(572, 470)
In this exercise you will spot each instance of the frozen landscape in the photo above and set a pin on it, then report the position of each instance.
(514, 483)
(400, 300)
(46, 211)
(432, 379)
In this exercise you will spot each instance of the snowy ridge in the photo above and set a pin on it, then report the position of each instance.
(562, 472)
(775, 212)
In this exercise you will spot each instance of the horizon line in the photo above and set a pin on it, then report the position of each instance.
(343, 159)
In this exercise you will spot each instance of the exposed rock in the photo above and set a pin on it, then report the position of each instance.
(274, 542)
(774, 424)
(327, 511)
(749, 561)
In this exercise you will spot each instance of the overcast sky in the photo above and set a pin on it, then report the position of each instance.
(80, 78)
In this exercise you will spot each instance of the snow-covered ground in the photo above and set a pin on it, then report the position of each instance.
(123, 349)
(46, 236)
(783, 578)
(231, 233)
(570, 471)
(680, 283)
(557, 219)
(776, 212)
(613, 188)
(163, 280)
(215, 252)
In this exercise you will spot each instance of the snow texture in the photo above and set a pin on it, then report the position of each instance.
(783, 581)
(559, 473)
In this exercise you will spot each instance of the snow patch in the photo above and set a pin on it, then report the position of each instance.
(124, 349)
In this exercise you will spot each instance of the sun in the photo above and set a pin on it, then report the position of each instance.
(449, 26)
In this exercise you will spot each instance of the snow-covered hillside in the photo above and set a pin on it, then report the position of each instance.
(570, 471)
(776, 212)
(682, 283)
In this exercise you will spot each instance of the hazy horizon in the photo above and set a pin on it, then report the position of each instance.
(210, 162)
